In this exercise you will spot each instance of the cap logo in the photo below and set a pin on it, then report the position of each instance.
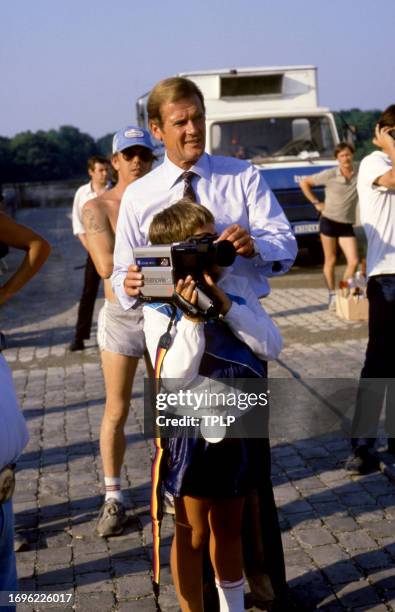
(133, 133)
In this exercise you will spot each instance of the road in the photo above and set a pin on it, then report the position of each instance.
(338, 531)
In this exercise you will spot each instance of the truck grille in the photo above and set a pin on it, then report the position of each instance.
(295, 205)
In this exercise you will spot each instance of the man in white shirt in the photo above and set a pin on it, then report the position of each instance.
(98, 170)
(245, 209)
(376, 190)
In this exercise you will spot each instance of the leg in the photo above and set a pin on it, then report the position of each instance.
(8, 578)
(378, 363)
(348, 245)
(191, 534)
(118, 371)
(87, 301)
(225, 538)
(118, 376)
(329, 245)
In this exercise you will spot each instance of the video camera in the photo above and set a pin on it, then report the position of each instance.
(164, 264)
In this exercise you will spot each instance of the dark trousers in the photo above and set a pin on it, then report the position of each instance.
(87, 301)
(377, 382)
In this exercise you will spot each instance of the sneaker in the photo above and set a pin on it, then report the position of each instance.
(112, 519)
(332, 301)
(363, 462)
(77, 345)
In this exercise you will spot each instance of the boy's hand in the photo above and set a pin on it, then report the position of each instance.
(221, 296)
(240, 239)
(133, 281)
(187, 289)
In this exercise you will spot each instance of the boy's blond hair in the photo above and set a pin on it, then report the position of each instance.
(178, 222)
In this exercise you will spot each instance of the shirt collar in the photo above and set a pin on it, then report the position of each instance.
(173, 172)
(338, 173)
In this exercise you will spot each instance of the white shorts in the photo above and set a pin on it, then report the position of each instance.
(121, 331)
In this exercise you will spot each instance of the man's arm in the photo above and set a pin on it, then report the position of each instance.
(99, 236)
(274, 241)
(37, 251)
(125, 278)
(306, 185)
(384, 140)
(83, 240)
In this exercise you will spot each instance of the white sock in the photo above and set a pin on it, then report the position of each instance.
(231, 595)
(113, 488)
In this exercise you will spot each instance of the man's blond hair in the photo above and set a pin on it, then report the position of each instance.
(170, 90)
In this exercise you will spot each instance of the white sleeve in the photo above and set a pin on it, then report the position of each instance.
(251, 323)
(182, 360)
(269, 227)
(127, 236)
(78, 227)
(370, 169)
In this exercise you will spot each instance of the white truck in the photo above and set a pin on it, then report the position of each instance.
(271, 117)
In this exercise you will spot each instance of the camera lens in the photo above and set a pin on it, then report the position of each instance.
(225, 253)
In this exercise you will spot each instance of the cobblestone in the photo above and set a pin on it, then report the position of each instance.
(338, 531)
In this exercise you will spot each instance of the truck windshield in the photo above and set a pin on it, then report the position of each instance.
(274, 137)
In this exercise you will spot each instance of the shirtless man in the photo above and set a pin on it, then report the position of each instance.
(120, 333)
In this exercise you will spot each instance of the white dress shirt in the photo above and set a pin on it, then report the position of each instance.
(248, 320)
(82, 196)
(234, 191)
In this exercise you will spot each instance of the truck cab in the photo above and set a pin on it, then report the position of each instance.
(271, 117)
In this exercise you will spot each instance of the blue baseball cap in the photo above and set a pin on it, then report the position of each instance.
(131, 136)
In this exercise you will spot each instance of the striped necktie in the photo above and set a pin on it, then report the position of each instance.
(188, 189)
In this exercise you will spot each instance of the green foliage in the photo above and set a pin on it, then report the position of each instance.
(43, 156)
(364, 122)
(104, 145)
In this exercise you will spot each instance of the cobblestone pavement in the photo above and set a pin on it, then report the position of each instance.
(338, 531)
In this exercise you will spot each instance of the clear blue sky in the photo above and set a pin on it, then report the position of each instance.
(84, 62)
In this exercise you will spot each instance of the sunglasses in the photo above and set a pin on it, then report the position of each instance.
(142, 152)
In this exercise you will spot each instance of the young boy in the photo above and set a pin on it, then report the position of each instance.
(209, 481)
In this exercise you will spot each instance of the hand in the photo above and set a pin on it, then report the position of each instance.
(240, 239)
(218, 293)
(383, 139)
(319, 206)
(187, 289)
(133, 281)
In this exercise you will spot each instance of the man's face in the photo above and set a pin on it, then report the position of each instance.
(132, 163)
(99, 174)
(183, 131)
(345, 157)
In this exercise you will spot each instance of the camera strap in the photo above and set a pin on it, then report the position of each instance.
(160, 445)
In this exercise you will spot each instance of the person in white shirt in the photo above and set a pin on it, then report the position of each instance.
(210, 478)
(13, 431)
(376, 190)
(245, 210)
(98, 170)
